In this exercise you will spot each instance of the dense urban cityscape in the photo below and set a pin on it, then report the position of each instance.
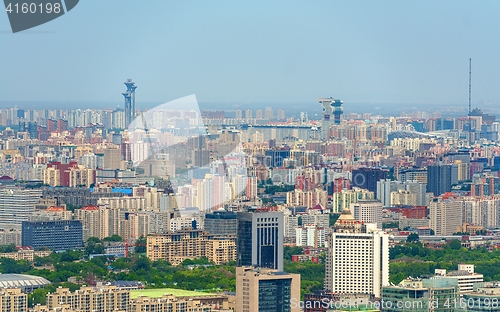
(172, 209)
(249, 156)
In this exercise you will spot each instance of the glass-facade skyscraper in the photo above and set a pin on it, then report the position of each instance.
(260, 239)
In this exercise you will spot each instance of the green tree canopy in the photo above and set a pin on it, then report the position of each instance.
(413, 237)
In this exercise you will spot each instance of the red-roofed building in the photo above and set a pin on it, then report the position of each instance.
(54, 208)
(90, 207)
(415, 212)
(6, 180)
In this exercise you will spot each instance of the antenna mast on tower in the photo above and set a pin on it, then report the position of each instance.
(470, 125)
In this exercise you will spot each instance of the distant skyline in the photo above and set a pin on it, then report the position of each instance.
(385, 52)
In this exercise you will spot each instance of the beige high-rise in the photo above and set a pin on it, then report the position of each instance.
(445, 214)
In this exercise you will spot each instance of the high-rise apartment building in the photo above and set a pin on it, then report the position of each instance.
(307, 198)
(239, 114)
(310, 235)
(259, 114)
(112, 158)
(403, 198)
(281, 114)
(343, 199)
(317, 218)
(419, 175)
(268, 113)
(98, 221)
(445, 214)
(265, 290)
(357, 260)
(386, 188)
(368, 211)
(17, 206)
(260, 239)
(419, 189)
(440, 178)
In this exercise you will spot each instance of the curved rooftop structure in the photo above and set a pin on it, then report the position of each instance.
(27, 283)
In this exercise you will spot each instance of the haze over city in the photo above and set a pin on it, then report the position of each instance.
(367, 53)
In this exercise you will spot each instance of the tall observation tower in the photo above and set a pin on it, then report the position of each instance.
(332, 109)
(129, 96)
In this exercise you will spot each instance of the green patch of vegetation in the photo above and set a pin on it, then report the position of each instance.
(273, 189)
(312, 275)
(137, 267)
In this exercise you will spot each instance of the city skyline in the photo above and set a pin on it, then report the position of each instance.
(275, 157)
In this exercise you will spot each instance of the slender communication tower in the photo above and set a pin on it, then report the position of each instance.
(129, 96)
(470, 124)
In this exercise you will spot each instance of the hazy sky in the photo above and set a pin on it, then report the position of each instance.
(258, 51)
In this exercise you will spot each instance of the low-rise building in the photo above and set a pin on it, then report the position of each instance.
(465, 276)
(484, 297)
(27, 254)
(432, 294)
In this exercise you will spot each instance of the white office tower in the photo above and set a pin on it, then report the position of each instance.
(357, 261)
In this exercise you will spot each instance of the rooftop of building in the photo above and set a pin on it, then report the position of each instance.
(160, 292)
(21, 280)
(461, 273)
(346, 215)
(90, 207)
(54, 208)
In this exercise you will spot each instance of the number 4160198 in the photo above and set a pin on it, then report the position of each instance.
(32, 8)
